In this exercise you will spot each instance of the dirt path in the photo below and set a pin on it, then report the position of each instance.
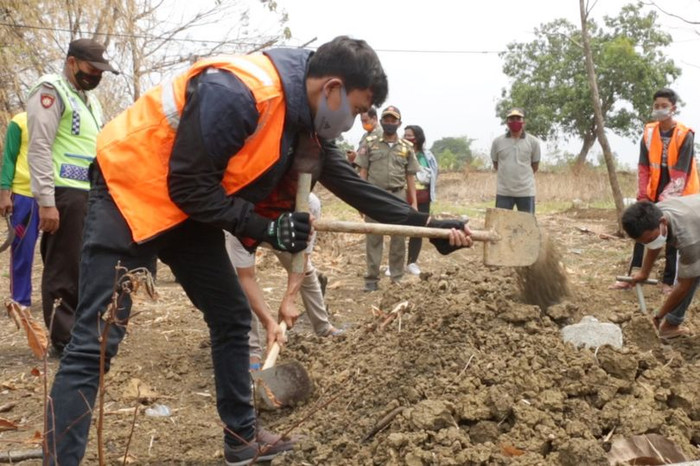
(482, 378)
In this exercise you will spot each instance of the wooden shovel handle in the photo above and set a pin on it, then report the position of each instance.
(275, 349)
(623, 278)
(301, 205)
(339, 226)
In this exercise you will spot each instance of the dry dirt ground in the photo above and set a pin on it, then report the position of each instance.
(483, 378)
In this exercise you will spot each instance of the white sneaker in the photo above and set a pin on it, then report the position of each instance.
(413, 269)
(388, 272)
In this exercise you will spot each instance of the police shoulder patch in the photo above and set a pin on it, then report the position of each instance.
(47, 100)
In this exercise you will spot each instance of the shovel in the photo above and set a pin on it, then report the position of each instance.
(511, 239)
(283, 385)
(288, 383)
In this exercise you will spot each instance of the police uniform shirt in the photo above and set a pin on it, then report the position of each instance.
(44, 110)
(387, 164)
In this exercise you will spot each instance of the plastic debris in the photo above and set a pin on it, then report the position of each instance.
(158, 410)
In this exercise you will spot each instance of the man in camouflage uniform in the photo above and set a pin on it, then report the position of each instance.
(389, 162)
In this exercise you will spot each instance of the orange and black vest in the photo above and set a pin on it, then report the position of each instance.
(652, 140)
(133, 150)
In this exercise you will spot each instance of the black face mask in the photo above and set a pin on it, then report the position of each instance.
(390, 128)
(87, 82)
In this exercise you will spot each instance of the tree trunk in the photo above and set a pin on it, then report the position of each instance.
(600, 123)
(588, 141)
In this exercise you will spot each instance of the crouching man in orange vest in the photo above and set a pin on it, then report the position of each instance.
(189, 159)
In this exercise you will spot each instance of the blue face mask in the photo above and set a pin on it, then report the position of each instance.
(330, 124)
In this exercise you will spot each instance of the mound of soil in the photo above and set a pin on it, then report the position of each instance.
(470, 373)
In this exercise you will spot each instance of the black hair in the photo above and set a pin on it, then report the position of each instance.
(372, 112)
(355, 62)
(670, 94)
(640, 217)
(419, 134)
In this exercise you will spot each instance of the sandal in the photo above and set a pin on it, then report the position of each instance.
(674, 333)
(620, 286)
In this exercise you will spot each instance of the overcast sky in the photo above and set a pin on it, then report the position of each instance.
(454, 94)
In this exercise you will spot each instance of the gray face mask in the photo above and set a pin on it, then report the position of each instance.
(661, 114)
(329, 124)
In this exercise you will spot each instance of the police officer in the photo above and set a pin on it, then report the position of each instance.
(64, 120)
(389, 162)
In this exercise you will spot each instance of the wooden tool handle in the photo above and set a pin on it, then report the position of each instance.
(338, 226)
(301, 205)
(275, 349)
(623, 278)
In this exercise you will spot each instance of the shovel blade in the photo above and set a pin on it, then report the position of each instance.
(285, 385)
(520, 238)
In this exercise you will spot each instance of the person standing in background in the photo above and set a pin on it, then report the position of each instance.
(64, 120)
(16, 200)
(388, 162)
(426, 183)
(371, 126)
(516, 158)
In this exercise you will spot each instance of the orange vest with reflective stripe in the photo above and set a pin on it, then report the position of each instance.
(133, 150)
(652, 139)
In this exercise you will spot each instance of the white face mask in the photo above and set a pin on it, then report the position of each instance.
(660, 114)
(657, 243)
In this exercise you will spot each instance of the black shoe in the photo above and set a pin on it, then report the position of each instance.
(371, 286)
(323, 281)
(265, 447)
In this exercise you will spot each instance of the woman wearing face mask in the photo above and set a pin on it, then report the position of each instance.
(426, 181)
(666, 170)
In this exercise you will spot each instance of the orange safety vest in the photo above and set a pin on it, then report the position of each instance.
(133, 150)
(652, 139)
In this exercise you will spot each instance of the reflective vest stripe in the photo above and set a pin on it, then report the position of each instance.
(168, 102)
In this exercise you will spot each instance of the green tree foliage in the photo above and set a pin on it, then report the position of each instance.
(453, 153)
(549, 77)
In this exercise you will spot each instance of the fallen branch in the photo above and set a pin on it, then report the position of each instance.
(383, 423)
(395, 313)
(20, 455)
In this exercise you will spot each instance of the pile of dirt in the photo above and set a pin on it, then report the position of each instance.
(472, 374)
(485, 379)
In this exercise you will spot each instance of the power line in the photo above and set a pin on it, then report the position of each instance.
(252, 44)
(133, 36)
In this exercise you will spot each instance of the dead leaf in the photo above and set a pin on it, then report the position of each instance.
(511, 451)
(6, 424)
(36, 372)
(137, 390)
(645, 449)
(7, 407)
(36, 335)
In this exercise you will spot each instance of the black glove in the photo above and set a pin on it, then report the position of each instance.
(290, 232)
(443, 245)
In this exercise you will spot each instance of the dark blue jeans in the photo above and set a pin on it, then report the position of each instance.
(196, 254)
(524, 204)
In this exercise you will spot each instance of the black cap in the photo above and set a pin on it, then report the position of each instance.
(92, 52)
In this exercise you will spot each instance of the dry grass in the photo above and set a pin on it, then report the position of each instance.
(470, 192)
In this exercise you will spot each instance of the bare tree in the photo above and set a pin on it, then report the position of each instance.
(146, 40)
(599, 121)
